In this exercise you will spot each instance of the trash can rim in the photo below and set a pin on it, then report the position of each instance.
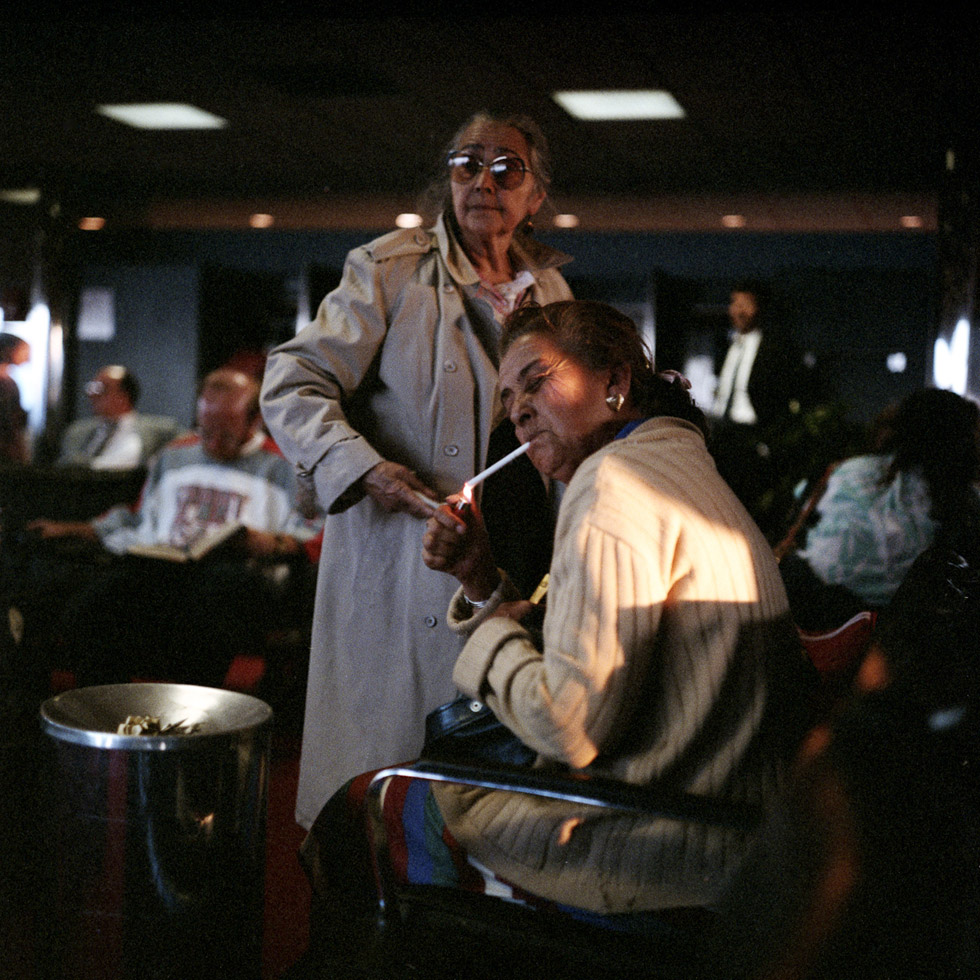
(69, 716)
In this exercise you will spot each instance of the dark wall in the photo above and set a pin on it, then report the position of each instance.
(194, 298)
(156, 315)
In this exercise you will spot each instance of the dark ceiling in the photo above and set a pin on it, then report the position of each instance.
(349, 105)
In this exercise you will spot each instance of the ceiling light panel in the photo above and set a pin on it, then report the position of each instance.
(624, 104)
(162, 115)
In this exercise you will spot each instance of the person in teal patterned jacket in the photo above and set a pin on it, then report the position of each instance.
(881, 510)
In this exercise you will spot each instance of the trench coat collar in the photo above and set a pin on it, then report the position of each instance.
(527, 253)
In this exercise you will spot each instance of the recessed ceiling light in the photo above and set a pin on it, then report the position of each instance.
(911, 221)
(91, 224)
(162, 115)
(408, 220)
(896, 362)
(261, 220)
(733, 220)
(620, 104)
(566, 220)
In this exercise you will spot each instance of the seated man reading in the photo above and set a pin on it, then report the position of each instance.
(185, 620)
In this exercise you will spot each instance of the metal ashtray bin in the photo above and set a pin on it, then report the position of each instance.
(158, 839)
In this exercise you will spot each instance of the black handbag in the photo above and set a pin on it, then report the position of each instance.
(466, 730)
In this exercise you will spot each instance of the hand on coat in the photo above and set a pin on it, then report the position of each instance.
(457, 543)
(395, 488)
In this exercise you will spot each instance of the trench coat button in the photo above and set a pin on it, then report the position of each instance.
(448, 287)
(450, 450)
(449, 366)
(431, 621)
(421, 238)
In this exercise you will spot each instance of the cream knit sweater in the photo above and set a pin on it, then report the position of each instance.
(668, 655)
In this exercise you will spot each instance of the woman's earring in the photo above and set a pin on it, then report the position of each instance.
(615, 402)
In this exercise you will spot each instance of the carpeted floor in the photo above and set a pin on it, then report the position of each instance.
(287, 892)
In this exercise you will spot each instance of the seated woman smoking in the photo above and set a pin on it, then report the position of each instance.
(667, 651)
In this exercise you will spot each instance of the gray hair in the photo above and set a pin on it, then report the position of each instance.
(436, 197)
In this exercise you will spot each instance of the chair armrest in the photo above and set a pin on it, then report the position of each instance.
(580, 788)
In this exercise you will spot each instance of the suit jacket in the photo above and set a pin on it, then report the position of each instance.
(778, 377)
(155, 431)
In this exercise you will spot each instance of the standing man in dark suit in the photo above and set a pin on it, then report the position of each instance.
(761, 387)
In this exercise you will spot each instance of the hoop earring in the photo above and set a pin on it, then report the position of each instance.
(615, 402)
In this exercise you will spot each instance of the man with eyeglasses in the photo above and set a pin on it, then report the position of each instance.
(115, 437)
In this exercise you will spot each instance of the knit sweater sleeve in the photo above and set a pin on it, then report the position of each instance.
(604, 606)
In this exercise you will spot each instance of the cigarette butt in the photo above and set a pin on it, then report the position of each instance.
(540, 591)
(427, 500)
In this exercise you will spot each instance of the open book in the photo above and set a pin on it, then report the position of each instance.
(202, 545)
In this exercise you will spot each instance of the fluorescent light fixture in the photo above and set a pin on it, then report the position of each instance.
(620, 104)
(162, 115)
(22, 195)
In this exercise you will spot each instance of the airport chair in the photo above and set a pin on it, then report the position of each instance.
(441, 933)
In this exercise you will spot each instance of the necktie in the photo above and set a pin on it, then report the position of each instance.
(739, 354)
(97, 441)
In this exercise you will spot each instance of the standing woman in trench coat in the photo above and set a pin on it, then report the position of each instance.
(389, 393)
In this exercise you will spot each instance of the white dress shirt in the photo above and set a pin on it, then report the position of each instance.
(123, 449)
(732, 397)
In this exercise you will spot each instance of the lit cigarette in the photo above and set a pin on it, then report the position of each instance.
(510, 457)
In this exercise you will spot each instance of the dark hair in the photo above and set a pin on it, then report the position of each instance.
(758, 289)
(599, 336)
(435, 198)
(937, 433)
(129, 384)
(10, 342)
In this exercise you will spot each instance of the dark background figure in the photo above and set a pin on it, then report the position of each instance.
(763, 387)
(14, 447)
(869, 867)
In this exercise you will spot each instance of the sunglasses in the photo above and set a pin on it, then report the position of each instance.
(507, 172)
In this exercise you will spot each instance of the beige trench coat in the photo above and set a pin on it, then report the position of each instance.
(399, 364)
